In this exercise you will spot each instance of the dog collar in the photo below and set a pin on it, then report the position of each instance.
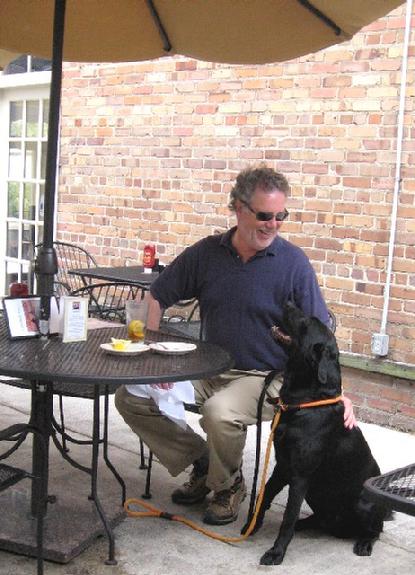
(276, 401)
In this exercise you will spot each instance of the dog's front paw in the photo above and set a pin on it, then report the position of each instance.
(363, 547)
(273, 556)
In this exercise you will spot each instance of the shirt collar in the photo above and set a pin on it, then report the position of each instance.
(271, 250)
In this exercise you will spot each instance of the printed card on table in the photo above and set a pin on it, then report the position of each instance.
(75, 318)
(22, 315)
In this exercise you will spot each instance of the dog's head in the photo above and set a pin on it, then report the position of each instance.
(311, 348)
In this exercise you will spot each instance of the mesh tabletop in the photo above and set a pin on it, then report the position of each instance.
(85, 362)
(133, 275)
(396, 488)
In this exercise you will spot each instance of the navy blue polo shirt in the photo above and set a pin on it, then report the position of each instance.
(240, 302)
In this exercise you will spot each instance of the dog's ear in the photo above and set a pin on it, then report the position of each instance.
(328, 368)
(323, 366)
(320, 359)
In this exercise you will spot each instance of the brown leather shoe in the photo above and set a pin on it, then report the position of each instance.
(224, 507)
(194, 489)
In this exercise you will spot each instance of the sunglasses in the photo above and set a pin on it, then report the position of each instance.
(267, 216)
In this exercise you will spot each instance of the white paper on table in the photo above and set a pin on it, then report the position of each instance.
(169, 401)
(97, 323)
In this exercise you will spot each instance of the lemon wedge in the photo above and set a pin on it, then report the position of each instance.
(120, 344)
(136, 329)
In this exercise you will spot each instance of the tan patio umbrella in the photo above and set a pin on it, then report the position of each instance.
(232, 31)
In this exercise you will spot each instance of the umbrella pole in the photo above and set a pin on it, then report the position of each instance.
(46, 265)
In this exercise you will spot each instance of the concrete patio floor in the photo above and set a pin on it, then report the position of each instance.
(155, 546)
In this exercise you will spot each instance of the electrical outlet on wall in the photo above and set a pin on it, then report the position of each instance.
(380, 344)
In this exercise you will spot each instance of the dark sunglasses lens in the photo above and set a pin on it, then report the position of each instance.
(268, 216)
(281, 216)
(264, 216)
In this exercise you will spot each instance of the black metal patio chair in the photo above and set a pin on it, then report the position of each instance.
(106, 300)
(70, 257)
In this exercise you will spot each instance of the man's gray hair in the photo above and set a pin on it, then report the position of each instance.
(262, 177)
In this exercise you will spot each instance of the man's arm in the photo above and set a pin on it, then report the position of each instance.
(153, 323)
(154, 314)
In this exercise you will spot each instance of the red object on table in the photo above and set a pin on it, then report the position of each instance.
(149, 256)
(18, 289)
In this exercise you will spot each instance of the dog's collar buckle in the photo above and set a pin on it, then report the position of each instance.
(280, 406)
(273, 400)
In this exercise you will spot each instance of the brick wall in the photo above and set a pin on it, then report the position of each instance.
(149, 152)
(381, 399)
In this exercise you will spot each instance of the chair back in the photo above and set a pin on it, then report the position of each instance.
(107, 300)
(70, 257)
(183, 319)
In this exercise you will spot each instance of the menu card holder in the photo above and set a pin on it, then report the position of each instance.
(22, 315)
(75, 318)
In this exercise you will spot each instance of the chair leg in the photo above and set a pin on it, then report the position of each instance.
(143, 464)
(147, 492)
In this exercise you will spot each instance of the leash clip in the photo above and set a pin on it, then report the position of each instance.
(276, 401)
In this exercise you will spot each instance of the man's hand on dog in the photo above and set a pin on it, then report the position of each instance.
(167, 385)
(349, 418)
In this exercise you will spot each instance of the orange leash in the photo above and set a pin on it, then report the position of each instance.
(154, 512)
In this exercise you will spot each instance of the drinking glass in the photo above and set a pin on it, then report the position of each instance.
(136, 319)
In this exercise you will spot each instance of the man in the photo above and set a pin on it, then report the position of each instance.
(242, 279)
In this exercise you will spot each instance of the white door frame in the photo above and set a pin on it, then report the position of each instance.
(32, 86)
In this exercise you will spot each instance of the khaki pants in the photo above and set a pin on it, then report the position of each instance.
(228, 404)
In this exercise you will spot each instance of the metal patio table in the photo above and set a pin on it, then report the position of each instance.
(46, 362)
(395, 488)
(133, 275)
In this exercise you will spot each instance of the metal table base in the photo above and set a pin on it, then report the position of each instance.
(72, 522)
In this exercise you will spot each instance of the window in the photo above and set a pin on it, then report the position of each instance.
(24, 64)
(27, 146)
(24, 114)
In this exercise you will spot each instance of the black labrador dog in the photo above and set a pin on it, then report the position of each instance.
(320, 460)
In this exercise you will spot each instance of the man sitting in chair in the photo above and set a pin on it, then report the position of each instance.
(241, 279)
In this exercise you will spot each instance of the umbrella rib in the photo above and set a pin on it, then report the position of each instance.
(159, 25)
(308, 6)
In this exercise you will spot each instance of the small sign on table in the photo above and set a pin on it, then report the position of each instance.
(75, 318)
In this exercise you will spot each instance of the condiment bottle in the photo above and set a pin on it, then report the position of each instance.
(149, 257)
(18, 289)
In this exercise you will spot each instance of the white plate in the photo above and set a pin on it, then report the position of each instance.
(133, 349)
(172, 347)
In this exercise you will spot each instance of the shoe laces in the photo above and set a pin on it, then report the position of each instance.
(193, 478)
(222, 498)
